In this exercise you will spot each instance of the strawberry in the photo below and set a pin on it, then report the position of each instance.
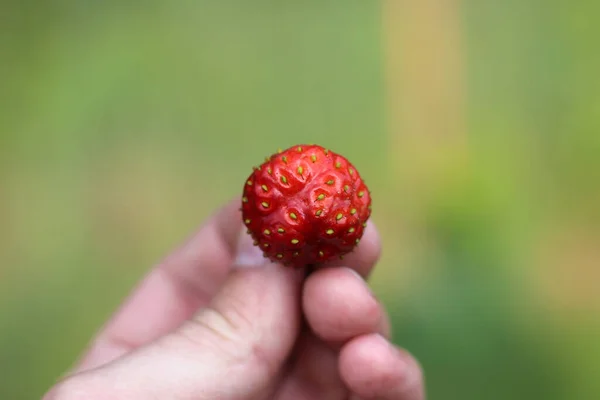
(305, 205)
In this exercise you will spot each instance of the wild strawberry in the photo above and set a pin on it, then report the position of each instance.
(305, 205)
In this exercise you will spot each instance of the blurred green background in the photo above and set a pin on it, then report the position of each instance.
(476, 125)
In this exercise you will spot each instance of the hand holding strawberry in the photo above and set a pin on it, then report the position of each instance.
(203, 325)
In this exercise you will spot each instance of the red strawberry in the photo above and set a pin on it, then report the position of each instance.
(305, 205)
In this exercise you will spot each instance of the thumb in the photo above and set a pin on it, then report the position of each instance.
(232, 349)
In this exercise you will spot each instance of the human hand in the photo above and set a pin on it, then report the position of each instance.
(216, 320)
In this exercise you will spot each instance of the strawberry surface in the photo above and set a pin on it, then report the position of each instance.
(305, 205)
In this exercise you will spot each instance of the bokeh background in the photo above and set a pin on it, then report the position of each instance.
(476, 124)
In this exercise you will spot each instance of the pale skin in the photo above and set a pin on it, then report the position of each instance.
(216, 320)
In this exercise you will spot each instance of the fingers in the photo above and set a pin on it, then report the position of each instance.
(339, 305)
(341, 311)
(372, 368)
(173, 291)
(233, 348)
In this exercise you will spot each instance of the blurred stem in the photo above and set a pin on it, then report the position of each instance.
(426, 115)
(426, 95)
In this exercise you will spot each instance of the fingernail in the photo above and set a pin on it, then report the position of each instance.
(385, 342)
(382, 339)
(360, 278)
(248, 255)
(401, 356)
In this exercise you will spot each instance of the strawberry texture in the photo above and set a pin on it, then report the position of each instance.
(305, 205)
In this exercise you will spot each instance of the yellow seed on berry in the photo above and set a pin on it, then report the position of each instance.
(283, 179)
(353, 211)
(361, 193)
(321, 196)
(279, 255)
(293, 216)
(300, 170)
(299, 149)
(269, 171)
(280, 230)
(249, 183)
(265, 204)
(284, 159)
(244, 199)
(295, 241)
(313, 158)
(321, 253)
(264, 188)
(346, 188)
(339, 216)
(267, 232)
(350, 230)
(337, 164)
(329, 231)
(350, 171)
(247, 221)
(318, 213)
(330, 182)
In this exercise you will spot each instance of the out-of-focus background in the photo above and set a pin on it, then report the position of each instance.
(476, 124)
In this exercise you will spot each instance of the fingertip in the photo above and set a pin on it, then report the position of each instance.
(372, 368)
(339, 305)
